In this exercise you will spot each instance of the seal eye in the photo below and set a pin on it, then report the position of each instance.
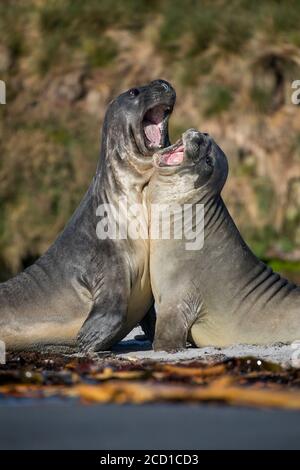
(134, 92)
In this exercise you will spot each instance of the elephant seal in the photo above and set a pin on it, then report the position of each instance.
(220, 294)
(98, 286)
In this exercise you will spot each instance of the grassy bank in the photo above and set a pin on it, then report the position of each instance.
(231, 63)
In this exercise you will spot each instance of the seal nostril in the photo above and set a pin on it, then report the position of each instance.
(162, 83)
(198, 138)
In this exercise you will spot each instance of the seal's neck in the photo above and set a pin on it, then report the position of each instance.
(120, 171)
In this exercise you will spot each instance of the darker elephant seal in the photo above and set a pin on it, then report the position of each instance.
(97, 287)
(221, 293)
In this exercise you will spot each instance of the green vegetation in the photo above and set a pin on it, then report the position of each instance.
(218, 98)
(187, 29)
(211, 50)
(67, 26)
(285, 266)
(261, 98)
(261, 240)
(265, 195)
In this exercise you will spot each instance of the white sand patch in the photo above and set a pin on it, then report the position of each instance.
(284, 354)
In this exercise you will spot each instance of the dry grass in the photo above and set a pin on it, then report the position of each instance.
(64, 60)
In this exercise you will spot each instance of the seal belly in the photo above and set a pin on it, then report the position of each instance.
(140, 299)
(137, 252)
(41, 333)
(211, 333)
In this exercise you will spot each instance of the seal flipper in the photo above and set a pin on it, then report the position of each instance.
(104, 325)
(170, 332)
(173, 325)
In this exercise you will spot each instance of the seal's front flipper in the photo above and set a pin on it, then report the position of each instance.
(170, 332)
(173, 322)
(102, 329)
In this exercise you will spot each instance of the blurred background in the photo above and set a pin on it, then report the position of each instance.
(232, 64)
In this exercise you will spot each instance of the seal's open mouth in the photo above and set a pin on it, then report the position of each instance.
(155, 126)
(171, 156)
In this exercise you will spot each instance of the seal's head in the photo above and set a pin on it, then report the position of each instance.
(197, 159)
(136, 122)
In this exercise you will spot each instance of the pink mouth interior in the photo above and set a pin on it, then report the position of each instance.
(174, 157)
(152, 125)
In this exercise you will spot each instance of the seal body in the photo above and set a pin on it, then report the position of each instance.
(96, 285)
(221, 293)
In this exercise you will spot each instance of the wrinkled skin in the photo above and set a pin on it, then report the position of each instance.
(222, 293)
(99, 288)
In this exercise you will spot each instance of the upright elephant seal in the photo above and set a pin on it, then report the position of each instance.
(222, 293)
(98, 286)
